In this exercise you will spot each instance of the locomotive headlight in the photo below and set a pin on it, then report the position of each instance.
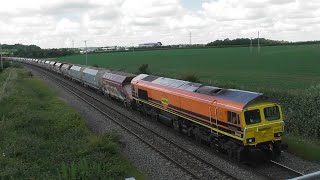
(250, 140)
(279, 134)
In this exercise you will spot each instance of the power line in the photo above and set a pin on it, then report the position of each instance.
(251, 45)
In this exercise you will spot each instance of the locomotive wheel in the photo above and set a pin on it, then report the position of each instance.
(154, 115)
(176, 125)
(230, 153)
(197, 137)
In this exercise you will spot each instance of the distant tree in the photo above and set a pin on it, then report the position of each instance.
(244, 42)
(33, 51)
(143, 69)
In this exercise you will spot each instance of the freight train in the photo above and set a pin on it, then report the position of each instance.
(247, 126)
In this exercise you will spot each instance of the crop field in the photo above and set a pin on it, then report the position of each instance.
(279, 67)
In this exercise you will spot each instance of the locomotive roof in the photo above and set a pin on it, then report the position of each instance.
(173, 83)
(245, 98)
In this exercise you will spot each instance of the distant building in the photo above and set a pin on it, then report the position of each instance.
(151, 44)
(89, 49)
(111, 48)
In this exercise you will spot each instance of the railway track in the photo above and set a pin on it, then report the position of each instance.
(291, 172)
(195, 166)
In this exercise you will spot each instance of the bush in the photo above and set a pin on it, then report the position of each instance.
(143, 69)
(29, 74)
(191, 77)
(6, 64)
(95, 65)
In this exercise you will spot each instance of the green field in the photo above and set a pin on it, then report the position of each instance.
(280, 67)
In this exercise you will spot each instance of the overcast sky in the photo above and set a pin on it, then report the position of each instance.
(55, 23)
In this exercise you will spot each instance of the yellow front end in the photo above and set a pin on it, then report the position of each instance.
(263, 123)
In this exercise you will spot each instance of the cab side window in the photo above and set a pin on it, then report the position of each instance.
(143, 94)
(233, 118)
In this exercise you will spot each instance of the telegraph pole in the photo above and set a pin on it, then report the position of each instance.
(251, 45)
(1, 57)
(85, 43)
(258, 42)
(190, 38)
(132, 48)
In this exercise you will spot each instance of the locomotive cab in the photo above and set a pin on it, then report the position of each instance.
(263, 129)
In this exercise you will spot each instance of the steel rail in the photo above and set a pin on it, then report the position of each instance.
(287, 168)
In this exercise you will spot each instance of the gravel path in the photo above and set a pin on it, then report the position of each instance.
(153, 165)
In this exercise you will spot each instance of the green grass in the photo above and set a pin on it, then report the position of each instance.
(282, 67)
(43, 138)
(304, 147)
(3, 76)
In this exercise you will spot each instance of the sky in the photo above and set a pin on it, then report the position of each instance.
(62, 23)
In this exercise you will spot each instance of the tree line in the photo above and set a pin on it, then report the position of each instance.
(33, 51)
(247, 42)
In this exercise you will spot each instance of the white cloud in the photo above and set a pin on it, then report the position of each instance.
(56, 23)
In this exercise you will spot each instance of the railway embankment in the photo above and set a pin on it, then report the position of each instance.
(42, 137)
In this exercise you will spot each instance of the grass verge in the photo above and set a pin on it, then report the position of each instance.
(303, 147)
(43, 138)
